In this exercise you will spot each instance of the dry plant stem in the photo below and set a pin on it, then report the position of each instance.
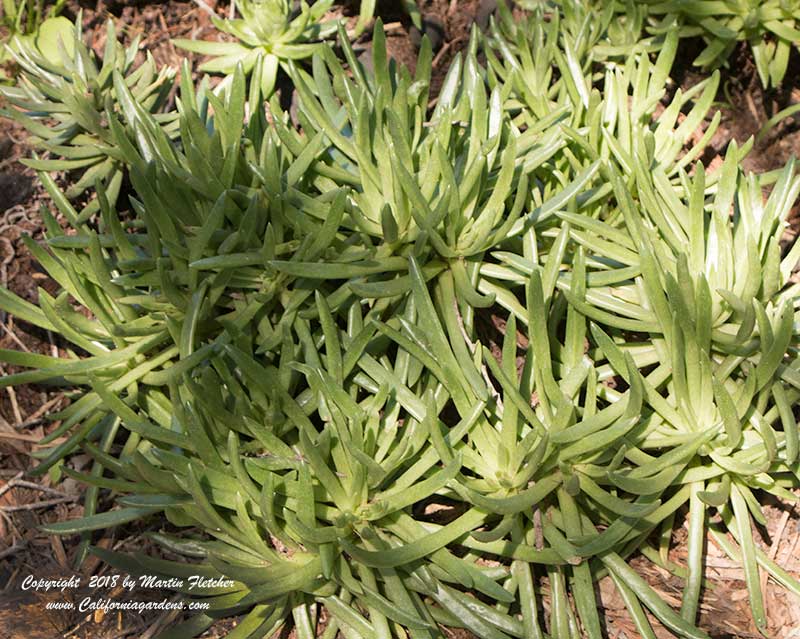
(127, 632)
(204, 7)
(27, 438)
(11, 482)
(17, 482)
(12, 396)
(776, 541)
(14, 338)
(37, 417)
(37, 505)
(163, 621)
(20, 545)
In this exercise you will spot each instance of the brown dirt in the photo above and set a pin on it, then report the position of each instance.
(751, 106)
(155, 23)
(746, 107)
(452, 22)
(447, 23)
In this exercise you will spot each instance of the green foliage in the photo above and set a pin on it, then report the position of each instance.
(594, 31)
(25, 16)
(446, 180)
(610, 30)
(288, 351)
(771, 28)
(27, 20)
(271, 31)
(65, 82)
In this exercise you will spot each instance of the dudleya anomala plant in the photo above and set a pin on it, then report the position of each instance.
(447, 186)
(285, 350)
(571, 36)
(770, 27)
(28, 21)
(715, 295)
(608, 113)
(272, 30)
(707, 283)
(66, 82)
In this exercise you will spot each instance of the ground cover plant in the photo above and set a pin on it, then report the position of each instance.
(30, 21)
(67, 83)
(273, 31)
(770, 29)
(280, 341)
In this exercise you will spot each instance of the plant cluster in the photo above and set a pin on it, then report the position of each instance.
(772, 29)
(27, 20)
(271, 32)
(82, 95)
(289, 345)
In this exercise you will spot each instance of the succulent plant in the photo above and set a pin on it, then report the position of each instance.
(28, 21)
(771, 28)
(613, 30)
(82, 95)
(287, 352)
(271, 30)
